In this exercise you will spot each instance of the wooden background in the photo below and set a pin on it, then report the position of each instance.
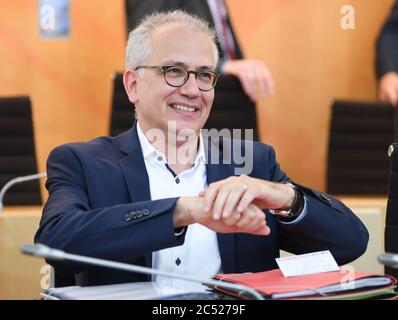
(312, 60)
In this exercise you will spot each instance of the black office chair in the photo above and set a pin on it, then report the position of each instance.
(17, 151)
(122, 112)
(232, 109)
(391, 228)
(360, 132)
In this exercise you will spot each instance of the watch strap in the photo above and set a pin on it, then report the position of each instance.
(289, 214)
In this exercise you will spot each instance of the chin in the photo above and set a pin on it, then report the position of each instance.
(186, 128)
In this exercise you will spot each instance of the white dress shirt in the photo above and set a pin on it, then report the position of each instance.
(199, 255)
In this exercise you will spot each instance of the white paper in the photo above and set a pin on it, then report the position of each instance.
(124, 291)
(310, 263)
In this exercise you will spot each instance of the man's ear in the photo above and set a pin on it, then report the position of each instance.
(130, 85)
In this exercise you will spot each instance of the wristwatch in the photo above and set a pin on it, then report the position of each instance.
(296, 208)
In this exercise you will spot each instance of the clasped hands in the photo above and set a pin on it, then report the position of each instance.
(234, 204)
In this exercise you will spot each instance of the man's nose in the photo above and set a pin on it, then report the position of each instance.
(190, 88)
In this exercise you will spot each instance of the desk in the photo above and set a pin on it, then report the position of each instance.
(20, 275)
(372, 212)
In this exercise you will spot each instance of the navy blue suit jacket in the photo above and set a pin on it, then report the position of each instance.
(99, 205)
(387, 45)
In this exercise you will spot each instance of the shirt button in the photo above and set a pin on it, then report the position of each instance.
(160, 158)
(177, 180)
(178, 261)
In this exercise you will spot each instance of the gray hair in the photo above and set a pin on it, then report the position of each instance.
(139, 42)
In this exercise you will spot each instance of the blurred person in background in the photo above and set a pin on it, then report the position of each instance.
(387, 59)
(254, 76)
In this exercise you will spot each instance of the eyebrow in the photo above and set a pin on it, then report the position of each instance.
(182, 64)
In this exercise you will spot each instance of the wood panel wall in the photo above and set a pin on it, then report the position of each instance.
(312, 60)
(68, 80)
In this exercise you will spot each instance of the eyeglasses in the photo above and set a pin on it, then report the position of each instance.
(176, 76)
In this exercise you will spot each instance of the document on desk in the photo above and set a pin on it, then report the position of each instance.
(310, 263)
(125, 291)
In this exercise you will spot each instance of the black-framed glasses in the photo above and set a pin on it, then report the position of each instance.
(177, 76)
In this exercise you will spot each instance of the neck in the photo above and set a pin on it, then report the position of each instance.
(182, 154)
(180, 149)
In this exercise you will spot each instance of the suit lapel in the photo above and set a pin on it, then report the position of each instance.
(216, 170)
(133, 167)
(134, 171)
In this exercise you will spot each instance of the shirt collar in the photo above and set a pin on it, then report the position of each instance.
(149, 150)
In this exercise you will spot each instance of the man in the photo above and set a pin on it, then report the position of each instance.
(253, 74)
(387, 59)
(165, 196)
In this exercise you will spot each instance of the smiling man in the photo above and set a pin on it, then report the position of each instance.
(166, 195)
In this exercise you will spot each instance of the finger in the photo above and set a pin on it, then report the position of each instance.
(382, 95)
(252, 219)
(271, 84)
(219, 202)
(202, 193)
(262, 231)
(268, 78)
(256, 223)
(245, 201)
(248, 84)
(234, 196)
(390, 96)
(262, 85)
(394, 97)
(211, 194)
(233, 219)
(246, 220)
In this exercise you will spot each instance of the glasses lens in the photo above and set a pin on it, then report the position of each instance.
(206, 80)
(176, 76)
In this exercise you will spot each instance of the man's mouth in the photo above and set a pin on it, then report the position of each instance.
(183, 108)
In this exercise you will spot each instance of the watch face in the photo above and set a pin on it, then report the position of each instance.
(280, 213)
(284, 214)
(296, 208)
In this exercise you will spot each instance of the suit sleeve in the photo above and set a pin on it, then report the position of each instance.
(387, 45)
(327, 225)
(120, 232)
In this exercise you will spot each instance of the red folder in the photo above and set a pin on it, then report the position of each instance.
(273, 284)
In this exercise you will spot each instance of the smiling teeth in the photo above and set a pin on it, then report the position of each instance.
(183, 108)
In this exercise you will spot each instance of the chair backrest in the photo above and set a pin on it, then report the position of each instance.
(391, 228)
(17, 151)
(360, 133)
(232, 109)
(122, 112)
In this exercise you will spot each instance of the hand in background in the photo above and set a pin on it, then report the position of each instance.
(254, 76)
(388, 88)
